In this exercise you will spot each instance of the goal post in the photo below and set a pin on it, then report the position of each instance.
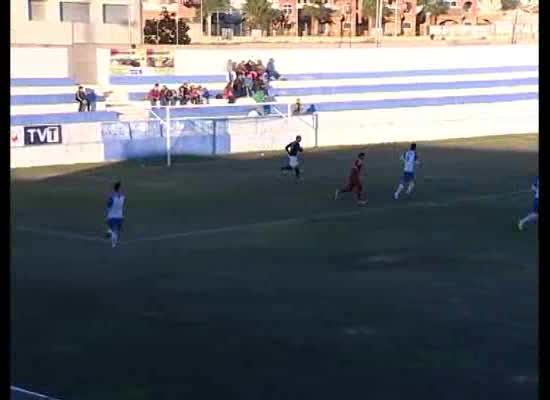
(265, 127)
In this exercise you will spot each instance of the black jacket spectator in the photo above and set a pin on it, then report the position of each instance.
(81, 98)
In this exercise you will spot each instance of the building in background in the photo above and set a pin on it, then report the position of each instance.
(58, 22)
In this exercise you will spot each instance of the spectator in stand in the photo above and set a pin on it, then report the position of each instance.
(260, 97)
(91, 98)
(205, 94)
(183, 94)
(194, 94)
(238, 86)
(260, 69)
(248, 84)
(80, 97)
(172, 97)
(265, 83)
(228, 92)
(229, 69)
(154, 95)
(297, 108)
(164, 95)
(271, 71)
(311, 109)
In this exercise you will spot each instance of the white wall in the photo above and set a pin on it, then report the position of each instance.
(428, 123)
(81, 144)
(363, 127)
(212, 61)
(24, 31)
(195, 61)
(43, 62)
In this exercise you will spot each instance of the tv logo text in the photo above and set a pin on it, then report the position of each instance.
(46, 134)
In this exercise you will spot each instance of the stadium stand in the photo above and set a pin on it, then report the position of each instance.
(353, 91)
(51, 100)
(46, 95)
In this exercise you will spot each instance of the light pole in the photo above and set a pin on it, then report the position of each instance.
(395, 16)
(379, 14)
(129, 16)
(202, 22)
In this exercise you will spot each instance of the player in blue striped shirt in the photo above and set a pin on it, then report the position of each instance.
(533, 216)
(115, 214)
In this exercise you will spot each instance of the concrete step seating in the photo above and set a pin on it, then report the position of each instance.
(31, 96)
(54, 98)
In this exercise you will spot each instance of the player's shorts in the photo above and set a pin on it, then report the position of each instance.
(293, 161)
(353, 186)
(536, 206)
(408, 177)
(115, 224)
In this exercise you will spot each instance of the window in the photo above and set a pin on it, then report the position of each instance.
(115, 14)
(37, 10)
(74, 12)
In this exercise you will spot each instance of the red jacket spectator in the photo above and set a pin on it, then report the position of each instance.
(154, 95)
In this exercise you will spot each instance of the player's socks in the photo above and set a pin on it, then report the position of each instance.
(398, 191)
(532, 217)
(336, 194)
(114, 239)
(297, 172)
(410, 188)
(361, 202)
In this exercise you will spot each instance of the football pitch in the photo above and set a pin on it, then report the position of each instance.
(234, 282)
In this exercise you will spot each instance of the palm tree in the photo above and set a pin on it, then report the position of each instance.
(319, 12)
(260, 14)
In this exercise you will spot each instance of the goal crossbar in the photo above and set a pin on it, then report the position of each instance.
(165, 115)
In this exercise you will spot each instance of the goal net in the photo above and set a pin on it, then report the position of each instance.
(169, 131)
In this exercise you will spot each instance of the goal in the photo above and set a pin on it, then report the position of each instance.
(232, 128)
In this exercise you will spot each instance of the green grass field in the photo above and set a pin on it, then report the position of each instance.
(233, 282)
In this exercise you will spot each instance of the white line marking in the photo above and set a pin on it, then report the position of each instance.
(60, 234)
(34, 394)
(288, 221)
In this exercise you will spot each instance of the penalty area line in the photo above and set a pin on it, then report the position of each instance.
(265, 224)
(60, 234)
(319, 218)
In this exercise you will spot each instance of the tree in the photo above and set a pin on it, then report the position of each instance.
(509, 4)
(260, 14)
(319, 12)
(369, 8)
(434, 7)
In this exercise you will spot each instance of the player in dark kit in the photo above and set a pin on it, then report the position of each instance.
(292, 149)
(354, 181)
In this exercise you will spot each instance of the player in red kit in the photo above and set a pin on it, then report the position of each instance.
(354, 182)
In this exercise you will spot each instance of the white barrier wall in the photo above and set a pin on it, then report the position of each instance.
(212, 61)
(39, 62)
(427, 123)
(80, 143)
